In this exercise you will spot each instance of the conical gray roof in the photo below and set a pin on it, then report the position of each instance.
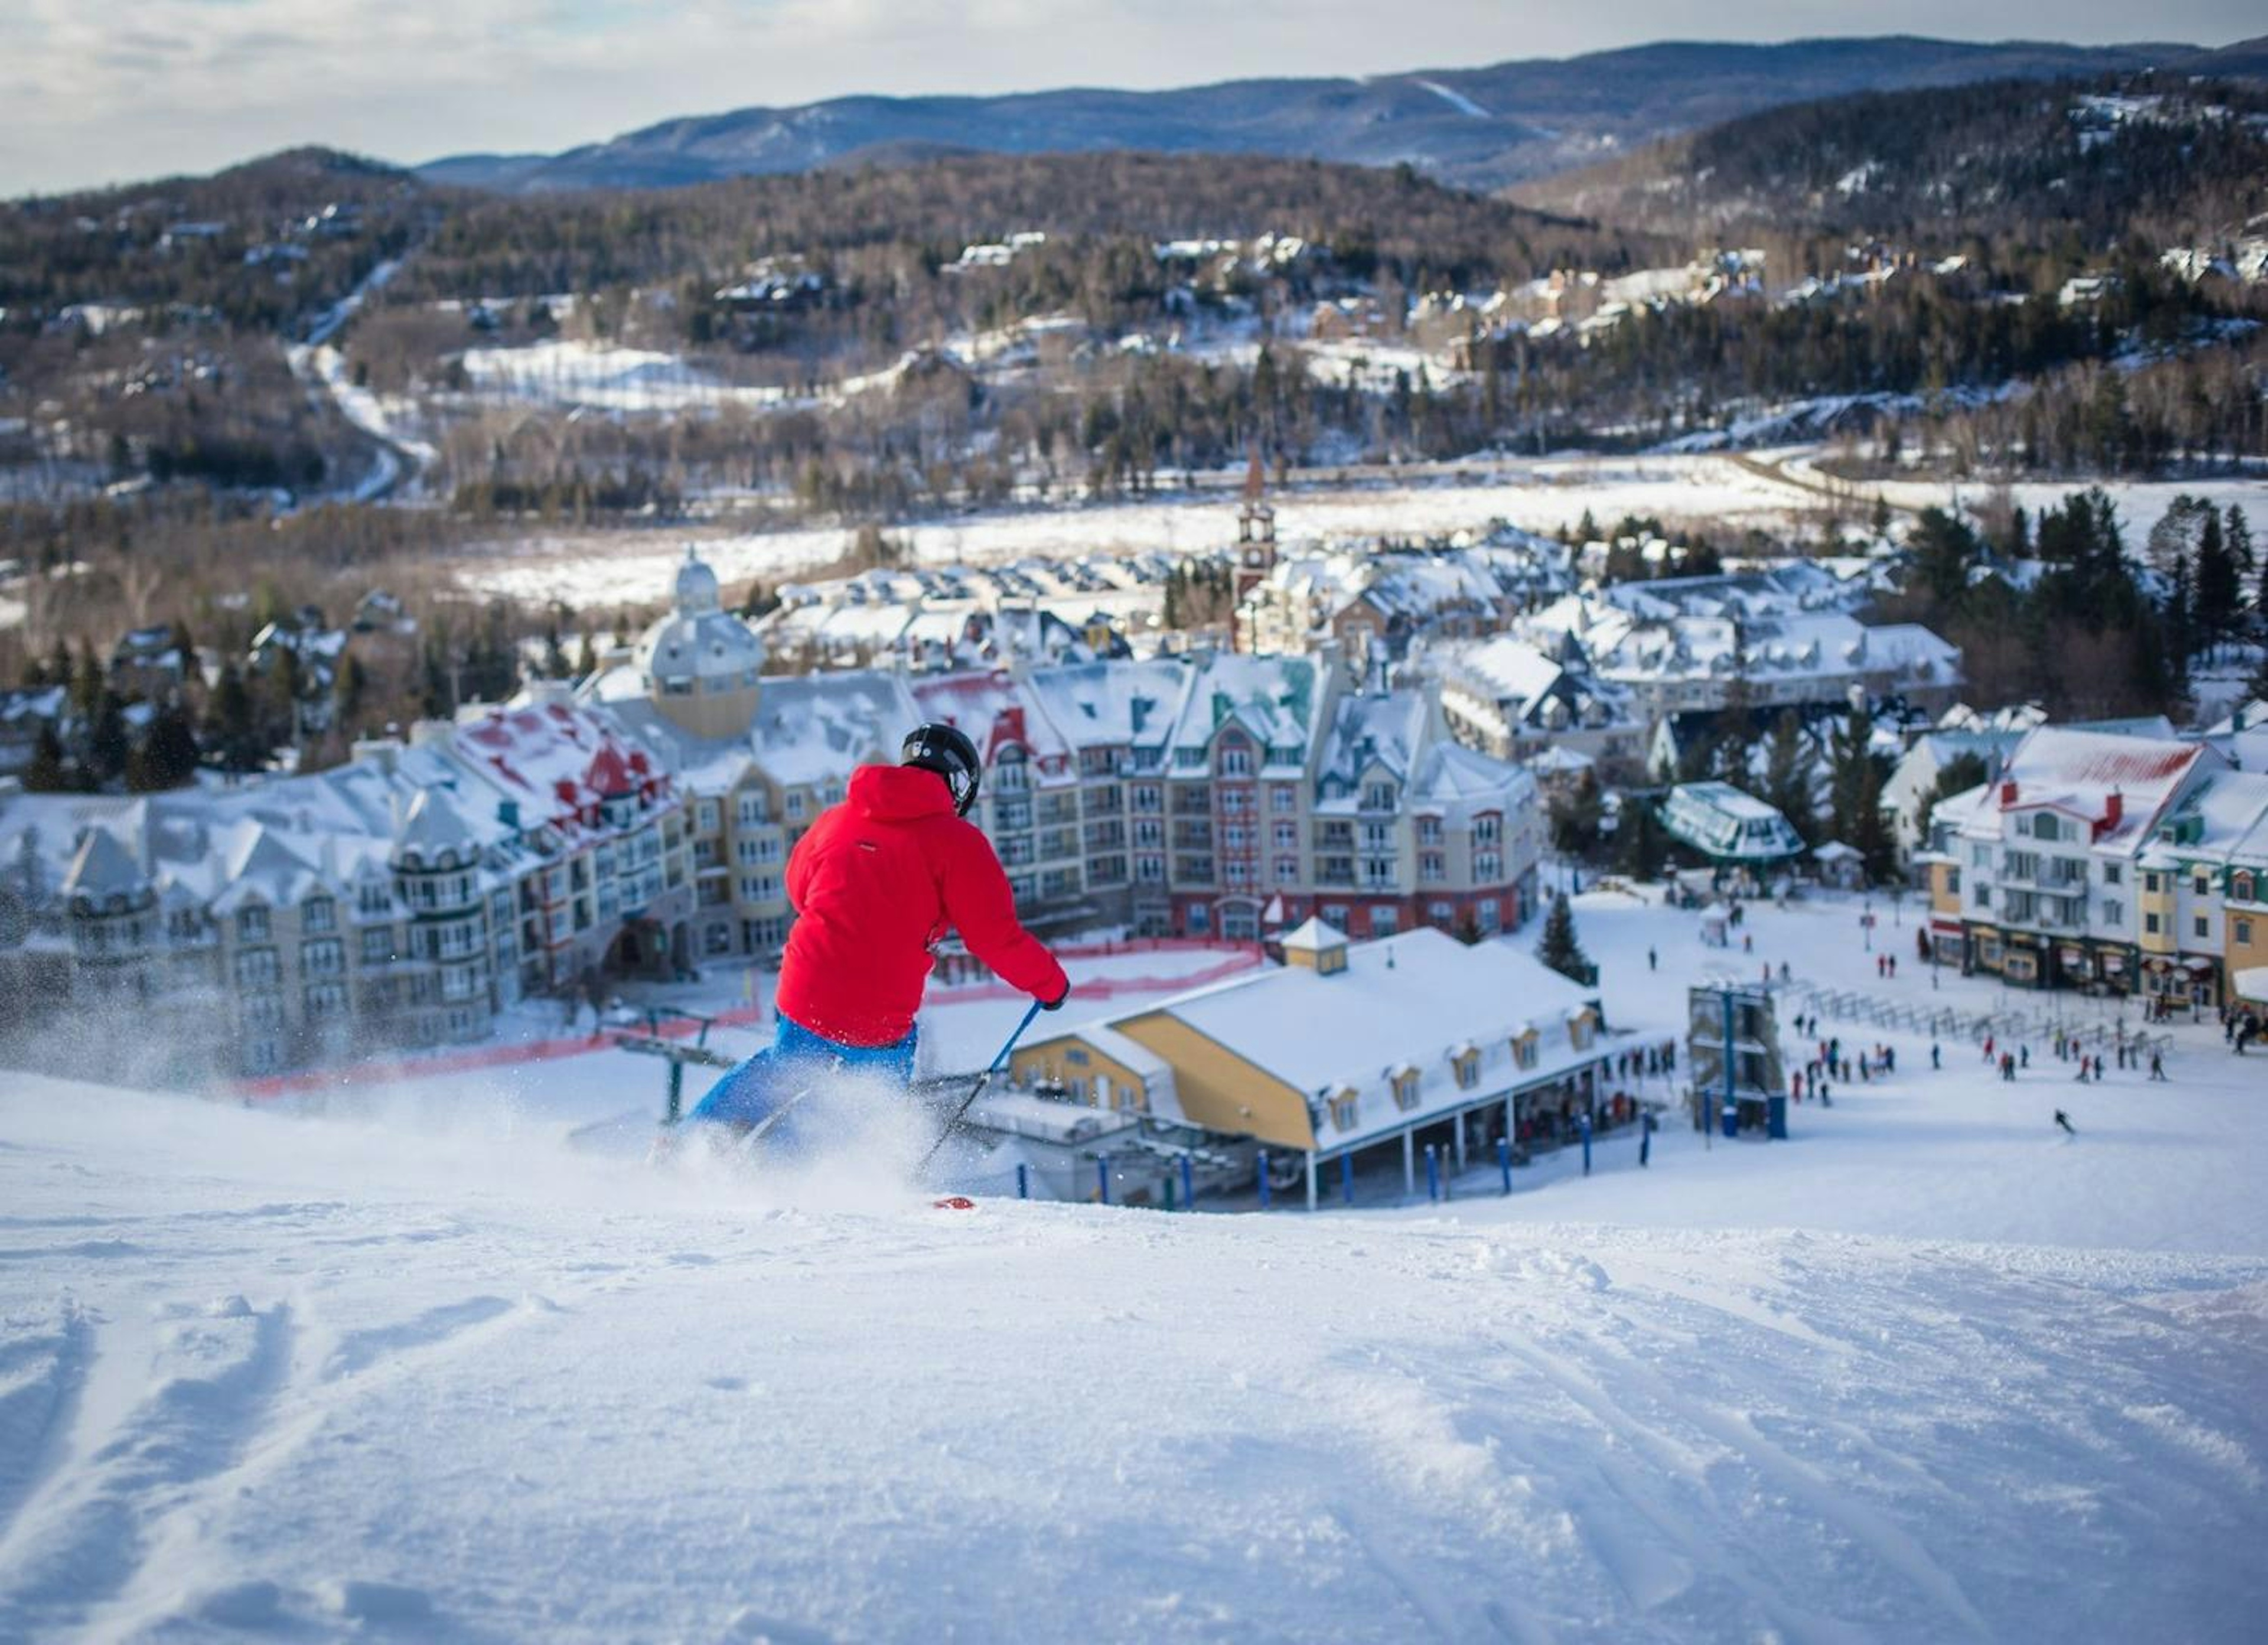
(103, 867)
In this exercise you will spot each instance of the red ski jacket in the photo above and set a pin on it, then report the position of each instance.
(875, 883)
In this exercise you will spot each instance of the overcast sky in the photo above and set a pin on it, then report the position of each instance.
(93, 93)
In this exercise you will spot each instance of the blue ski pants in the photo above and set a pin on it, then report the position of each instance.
(795, 1059)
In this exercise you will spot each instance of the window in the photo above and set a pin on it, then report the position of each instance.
(1579, 1032)
(318, 913)
(326, 998)
(795, 804)
(1488, 866)
(256, 967)
(1429, 831)
(707, 815)
(324, 958)
(251, 925)
(2202, 884)
(1282, 800)
(2110, 872)
(2241, 932)
(1236, 759)
(1345, 1111)
(1432, 867)
(2044, 827)
(1287, 871)
(1980, 856)
(2150, 883)
(1524, 1050)
(1405, 1089)
(2150, 924)
(2114, 913)
(2204, 927)
(1385, 921)
(1377, 797)
(1200, 919)
(1983, 896)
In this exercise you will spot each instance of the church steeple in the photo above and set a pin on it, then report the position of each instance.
(1256, 542)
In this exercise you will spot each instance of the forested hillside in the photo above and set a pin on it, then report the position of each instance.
(2077, 164)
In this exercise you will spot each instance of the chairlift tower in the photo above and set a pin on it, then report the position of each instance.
(1732, 1040)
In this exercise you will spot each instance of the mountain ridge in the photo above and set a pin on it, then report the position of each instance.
(1485, 127)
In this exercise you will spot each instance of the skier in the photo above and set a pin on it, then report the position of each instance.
(1935, 1061)
(2157, 1065)
(2064, 1120)
(1646, 1136)
(1652, 961)
(876, 881)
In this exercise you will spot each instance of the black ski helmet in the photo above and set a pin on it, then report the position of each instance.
(951, 755)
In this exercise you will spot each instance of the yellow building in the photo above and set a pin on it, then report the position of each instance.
(1346, 1047)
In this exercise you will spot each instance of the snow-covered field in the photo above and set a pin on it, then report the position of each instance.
(1925, 1372)
(1713, 493)
(570, 373)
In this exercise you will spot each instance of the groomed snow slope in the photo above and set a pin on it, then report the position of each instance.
(305, 1379)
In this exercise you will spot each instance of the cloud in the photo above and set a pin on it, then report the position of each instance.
(144, 86)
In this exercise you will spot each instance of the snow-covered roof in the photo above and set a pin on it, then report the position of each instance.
(103, 867)
(1314, 935)
(698, 644)
(2077, 772)
(1414, 1000)
(1724, 823)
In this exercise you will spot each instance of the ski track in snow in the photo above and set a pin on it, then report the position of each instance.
(408, 1377)
(494, 1399)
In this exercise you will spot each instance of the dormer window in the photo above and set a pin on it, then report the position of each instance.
(1345, 1109)
(1404, 1082)
(1465, 1062)
(252, 923)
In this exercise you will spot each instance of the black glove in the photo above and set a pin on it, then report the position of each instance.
(1056, 1004)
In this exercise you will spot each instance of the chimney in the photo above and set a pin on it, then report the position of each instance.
(2007, 791)
(2114, 808)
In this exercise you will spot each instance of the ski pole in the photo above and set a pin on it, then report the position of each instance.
(977, 1090)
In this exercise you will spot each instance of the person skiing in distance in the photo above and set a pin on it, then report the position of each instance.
(876, 881)
(2063, 1121)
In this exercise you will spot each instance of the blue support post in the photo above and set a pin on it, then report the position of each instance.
(1346, 1177)
(1189, 1184)
(1102, 1175)
(1586, 1142)
(1504, 1161)
(1432, 1174)
(1731, 1105)
(1263, 1179)
(1023, 1180)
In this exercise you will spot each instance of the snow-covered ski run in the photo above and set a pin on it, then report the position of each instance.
(267, 1377)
